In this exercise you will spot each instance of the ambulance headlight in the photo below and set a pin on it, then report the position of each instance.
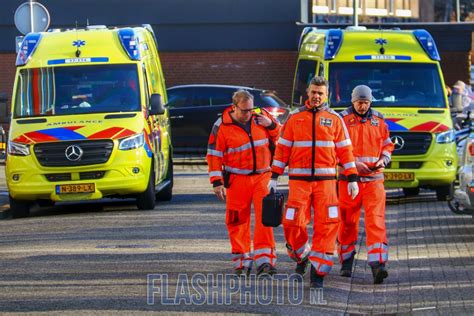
(17, 149)
(445, 137)
(132, 142)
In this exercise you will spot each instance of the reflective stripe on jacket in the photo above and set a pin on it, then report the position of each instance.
(232, 149)
(370, 139)
(312, 142)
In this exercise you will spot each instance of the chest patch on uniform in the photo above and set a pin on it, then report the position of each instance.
(352, 122)
(374, 122)
(325, 121)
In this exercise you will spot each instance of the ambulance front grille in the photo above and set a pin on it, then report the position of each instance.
(90, 152)
(410, 143)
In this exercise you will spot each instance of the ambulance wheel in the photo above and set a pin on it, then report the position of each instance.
(166, 193)
(147, 199)
(444, 192)
(18, 208)
(411, 191)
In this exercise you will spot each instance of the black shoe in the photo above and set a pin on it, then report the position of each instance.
(379, 272)
(346, 267)
(302, 267)
(266, 268)
(316, 279)
(243, 271)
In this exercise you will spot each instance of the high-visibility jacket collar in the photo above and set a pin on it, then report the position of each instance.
(308, 105)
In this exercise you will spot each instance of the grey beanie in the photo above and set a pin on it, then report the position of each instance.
(361, 92)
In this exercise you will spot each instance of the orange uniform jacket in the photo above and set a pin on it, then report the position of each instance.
(370, 139)
(231, 148)
(312, 142)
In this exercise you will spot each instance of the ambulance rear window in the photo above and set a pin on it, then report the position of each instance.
(393, 84)
(77, 90)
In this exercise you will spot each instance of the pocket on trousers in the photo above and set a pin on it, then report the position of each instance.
(233, 217)
(333, 213)
(294, 214)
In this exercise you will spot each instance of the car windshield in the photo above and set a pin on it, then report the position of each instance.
(77, 90)
(392, 84)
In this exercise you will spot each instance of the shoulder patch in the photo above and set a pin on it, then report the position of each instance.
(298, 110)
(346, 112)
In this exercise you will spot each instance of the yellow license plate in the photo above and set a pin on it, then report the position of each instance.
(75, 188)
(399, 176)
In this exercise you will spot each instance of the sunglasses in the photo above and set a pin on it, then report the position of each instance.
(245, 111)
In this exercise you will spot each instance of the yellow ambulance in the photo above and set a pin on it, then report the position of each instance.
(402, 69)
(88, 119)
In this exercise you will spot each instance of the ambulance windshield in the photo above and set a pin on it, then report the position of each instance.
(393, 84)
(77, 90)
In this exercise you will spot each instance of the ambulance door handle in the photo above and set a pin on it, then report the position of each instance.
(177, 117)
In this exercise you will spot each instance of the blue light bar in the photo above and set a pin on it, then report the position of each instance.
(129, 42)
(27, 48)
(333, 43)
(305, 31)
(428, 44)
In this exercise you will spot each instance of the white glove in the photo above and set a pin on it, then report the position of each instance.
(272, 185)
(353, 189)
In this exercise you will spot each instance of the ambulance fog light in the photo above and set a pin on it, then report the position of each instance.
(136, 170)
(16, 177)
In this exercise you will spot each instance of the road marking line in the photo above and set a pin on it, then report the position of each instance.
(420, 269)
(428, 286)
(417, 257)
(423, 308)
(416, 246)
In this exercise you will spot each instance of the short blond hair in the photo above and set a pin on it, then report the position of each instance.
(241, 95)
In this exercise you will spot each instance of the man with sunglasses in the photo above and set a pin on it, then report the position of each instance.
(239, 159)
(372, 151)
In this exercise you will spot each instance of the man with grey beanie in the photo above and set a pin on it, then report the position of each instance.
(372, 149)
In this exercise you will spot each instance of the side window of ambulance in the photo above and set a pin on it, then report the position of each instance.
(180, 98)
(304, 73)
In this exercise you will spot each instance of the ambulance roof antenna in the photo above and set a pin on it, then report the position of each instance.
(87, 21)
(78, 52)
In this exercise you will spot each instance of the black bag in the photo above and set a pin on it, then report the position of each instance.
(272, 208)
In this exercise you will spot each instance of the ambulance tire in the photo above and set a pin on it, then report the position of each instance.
(166, 194)
(147, 199)
(445, 192)
(18, 208)
(411, 191)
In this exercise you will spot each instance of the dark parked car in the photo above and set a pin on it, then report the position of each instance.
(195, 108)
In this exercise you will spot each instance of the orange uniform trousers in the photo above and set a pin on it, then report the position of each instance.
(372, 198)
(322, 196)
(243, 191)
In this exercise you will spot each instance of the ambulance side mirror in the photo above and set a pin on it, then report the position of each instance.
(156, 104)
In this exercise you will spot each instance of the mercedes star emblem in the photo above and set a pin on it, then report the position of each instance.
(398, 141)
(73, 153)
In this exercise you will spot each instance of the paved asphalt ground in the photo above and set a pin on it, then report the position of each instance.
(95, 258)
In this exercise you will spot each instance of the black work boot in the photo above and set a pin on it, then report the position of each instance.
(243, 271)
(266, 268)
(379, 272)
(302, 266)
(346, 267)
(316, 279)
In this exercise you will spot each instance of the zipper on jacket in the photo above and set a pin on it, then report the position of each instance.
(313, 148)
(254, 154)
